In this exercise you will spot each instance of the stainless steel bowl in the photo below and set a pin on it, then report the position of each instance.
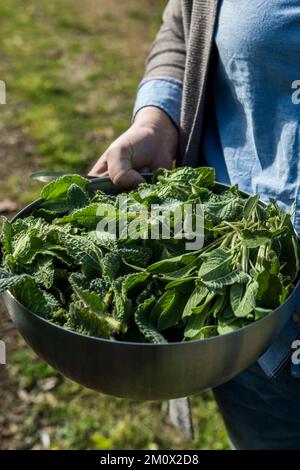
(147, 371)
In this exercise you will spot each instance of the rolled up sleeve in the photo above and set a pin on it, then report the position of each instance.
(164, 93)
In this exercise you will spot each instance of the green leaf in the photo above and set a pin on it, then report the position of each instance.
(111, 265)
(93, 302)
(172, 264)
(83, 252)
(58, 188)
(261, 213)
(228, 326)
(269, 290)
(225, 208)
(206, 332)
(134, 281)
(90, 299)
(219, 305)
(198, 295)
(7, 236)
(163, 302)
(195, 323)
(172, 313)
(236, 295)
(127, 291)
(216, 264)
(122, 305)
(76, 197)
(89, 215)
(184, 285)
(204, 176)
(180, 273)
(200, 308)
(52, 208)
(135, 256)
(255, 238)
(250, 206)
(85, 321)
(233, 277)
(44, 271)
(271, 263)
(261, 312)
(35, 299)
(289, 250)
(286, 291)
(242, 298)
(36, 237)
(144, 323)
(9, 281)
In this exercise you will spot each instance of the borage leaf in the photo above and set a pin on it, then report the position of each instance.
(216, 264)
(242, 298)
(197, 296)
(233, 277)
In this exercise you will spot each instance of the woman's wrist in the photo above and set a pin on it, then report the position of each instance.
(154, 117)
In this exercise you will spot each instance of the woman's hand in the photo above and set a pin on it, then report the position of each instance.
(150, 143)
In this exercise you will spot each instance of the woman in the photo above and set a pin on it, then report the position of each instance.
(218, 91)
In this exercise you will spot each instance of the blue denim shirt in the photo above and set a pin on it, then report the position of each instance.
(253, 137)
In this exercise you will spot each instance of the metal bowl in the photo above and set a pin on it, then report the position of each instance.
(147, 371)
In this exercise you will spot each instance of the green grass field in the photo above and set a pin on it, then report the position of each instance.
(71, 70)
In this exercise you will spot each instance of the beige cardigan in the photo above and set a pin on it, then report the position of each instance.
(182, 49)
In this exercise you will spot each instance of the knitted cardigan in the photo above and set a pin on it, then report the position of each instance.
(183, 49)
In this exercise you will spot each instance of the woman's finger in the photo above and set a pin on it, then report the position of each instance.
(120, 169)
(100, 167)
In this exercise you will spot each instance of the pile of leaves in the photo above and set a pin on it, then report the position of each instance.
(146, 290)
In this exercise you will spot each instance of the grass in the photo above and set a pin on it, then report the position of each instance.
(71, 70)
(74, 417)
(70, 79)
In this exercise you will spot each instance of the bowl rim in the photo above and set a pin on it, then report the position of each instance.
(91, 187)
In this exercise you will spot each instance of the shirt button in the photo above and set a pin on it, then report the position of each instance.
(296, 317)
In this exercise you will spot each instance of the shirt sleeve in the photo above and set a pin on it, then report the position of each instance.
(164, 93)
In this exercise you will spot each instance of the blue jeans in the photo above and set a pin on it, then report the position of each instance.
(260, 413)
